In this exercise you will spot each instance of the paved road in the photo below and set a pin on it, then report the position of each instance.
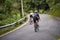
(49, 26)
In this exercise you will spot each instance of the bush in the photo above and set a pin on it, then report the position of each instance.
(55, 10)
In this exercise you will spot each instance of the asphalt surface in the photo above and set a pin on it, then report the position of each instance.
(48, 27)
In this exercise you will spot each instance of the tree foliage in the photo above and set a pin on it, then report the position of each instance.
(11, 9)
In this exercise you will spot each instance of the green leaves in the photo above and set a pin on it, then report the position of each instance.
(55, 10)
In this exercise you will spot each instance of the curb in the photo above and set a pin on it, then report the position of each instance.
(14, 29)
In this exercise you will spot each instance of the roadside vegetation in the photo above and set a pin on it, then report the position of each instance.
(55, 10)
(10, 10)
(5, 30)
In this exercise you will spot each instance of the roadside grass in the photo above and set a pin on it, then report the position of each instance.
(4, 19)
(5, 30)
(55, 10)
(57, 37)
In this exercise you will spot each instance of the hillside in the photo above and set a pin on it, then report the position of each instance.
(55, 10)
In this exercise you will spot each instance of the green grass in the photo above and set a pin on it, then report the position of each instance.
(9, 20)
(6, 30)
(57, 37)
(2, 31)
(55, 10)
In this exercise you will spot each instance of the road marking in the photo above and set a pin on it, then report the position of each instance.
(14, 29)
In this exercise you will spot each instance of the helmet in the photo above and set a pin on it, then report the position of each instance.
(35, 11)
(31, 13)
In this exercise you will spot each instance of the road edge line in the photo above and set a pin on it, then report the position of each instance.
(15, 29)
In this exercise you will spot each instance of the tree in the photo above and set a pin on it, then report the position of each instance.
(44, 5)
(2, 2)
(8, 6)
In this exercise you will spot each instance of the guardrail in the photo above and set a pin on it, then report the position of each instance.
(9, 25)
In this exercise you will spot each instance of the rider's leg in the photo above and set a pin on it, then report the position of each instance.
(31, 20)
(35, 27)
(35, 24)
